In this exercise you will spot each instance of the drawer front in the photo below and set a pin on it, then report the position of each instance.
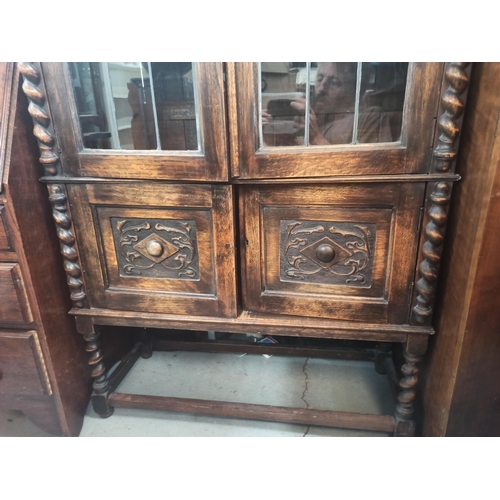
(5, 244)
(14, 306)
(22, 367)
(157, 247)
(344, 252)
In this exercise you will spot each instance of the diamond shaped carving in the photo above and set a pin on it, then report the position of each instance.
(311, 252)
(155, 248)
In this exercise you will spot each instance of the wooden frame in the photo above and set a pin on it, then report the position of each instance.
(407, 166)
(208, 164)
(393, 209)
(212, 291)
(411, 155)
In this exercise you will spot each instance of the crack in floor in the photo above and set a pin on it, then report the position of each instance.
(304, 369)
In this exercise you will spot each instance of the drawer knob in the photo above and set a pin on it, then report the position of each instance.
(325, 253)
(154, 248)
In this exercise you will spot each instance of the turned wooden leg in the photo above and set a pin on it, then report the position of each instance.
(101, 383)
(382, 350)
(146, 348)
(413, 353)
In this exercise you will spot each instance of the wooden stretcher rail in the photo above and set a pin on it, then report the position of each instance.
(301, 416)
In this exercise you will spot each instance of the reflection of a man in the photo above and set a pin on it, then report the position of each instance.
(331, 118)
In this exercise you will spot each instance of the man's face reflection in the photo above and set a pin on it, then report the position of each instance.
(335, 87)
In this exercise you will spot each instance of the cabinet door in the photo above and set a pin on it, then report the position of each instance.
(157, 247)
(331, 119)
(140, 120)
(344, 252)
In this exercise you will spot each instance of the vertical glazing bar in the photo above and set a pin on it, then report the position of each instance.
(356, 104)
(261, 137)
(153, 103)
(196, 114)
(308, 104)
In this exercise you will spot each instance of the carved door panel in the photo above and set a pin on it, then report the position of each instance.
(139, 120)
(331, 119)
(344, 252)
(155, 247)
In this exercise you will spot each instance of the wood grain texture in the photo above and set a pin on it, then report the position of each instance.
(301, 416)
(456, 79)
(433, 238)
(411, 155)
(33, 234)
(461, 389)
(5, 243)
(390, 208)
(38, 108)
(213, 292)
(6, 81)
(22, 368)
(208, 164)
(266, 324)
(14, 306)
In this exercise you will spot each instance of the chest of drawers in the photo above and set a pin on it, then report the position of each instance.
(223, 196)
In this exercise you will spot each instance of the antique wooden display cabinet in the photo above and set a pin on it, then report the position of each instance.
(299, 199)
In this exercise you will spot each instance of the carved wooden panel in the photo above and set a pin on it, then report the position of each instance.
(157, 247)
(327, 252)
(343, 252)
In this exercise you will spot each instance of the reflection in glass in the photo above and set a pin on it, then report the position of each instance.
(333, 103)
(381, 101)
(136, 105)
(323, 103)
(283, 91)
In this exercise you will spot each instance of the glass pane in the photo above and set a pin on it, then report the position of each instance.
(283, 103)
(381, 102)
(333, 102)
(136, 105)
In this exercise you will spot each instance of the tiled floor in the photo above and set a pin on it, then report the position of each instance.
(283, 381)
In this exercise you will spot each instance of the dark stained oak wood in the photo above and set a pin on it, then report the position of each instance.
(385, 213)
(268, 324)
(461, 374)
(210, 289)
(301, 416)
(5, 243)
(412, 155)
(306, 242)
(59, 355)
(14, 306)
(208, 164)
(22, 367)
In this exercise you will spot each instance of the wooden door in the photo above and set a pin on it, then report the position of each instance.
(344, 252)
(139, 120)
(371, 119)
(157, 247)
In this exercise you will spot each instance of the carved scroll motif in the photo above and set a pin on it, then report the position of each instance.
(431, 251)
(327, 252)
(453, 105)
(66, 237)
(156, 248)
(34, 89)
